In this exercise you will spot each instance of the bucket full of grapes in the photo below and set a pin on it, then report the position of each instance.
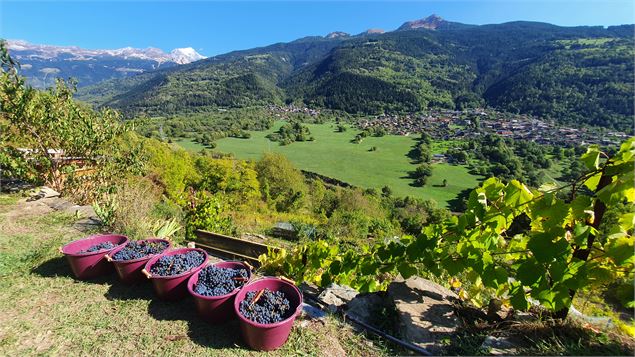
(87, 256)
(169, 271)
(131, 258)
(266, 309)
(214, 288)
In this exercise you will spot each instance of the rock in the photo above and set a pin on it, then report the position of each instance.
(499, 346)
(425, 312)
(496, 311)
(337, 295)
(308, 288)
(364, 306)
(59, 204)
(85, 211)
(44, 192)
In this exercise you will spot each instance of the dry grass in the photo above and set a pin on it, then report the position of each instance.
(135, 200)
(536, 335)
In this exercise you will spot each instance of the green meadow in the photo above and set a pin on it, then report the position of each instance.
(333, 154)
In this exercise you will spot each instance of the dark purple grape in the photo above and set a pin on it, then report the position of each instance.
(214, 281)
(271, 307)
(178, 263)
(98, 247)
(140, 249)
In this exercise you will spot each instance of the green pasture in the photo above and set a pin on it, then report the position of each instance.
(333, 154)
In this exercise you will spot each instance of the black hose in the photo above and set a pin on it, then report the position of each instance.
(407, 345)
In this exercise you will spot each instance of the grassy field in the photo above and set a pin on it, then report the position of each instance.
(333, 154)
(45, 311)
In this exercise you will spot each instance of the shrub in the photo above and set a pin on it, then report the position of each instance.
(348, 224)
(172, 168)
(208, 212)
(228, 176)
(281, 184)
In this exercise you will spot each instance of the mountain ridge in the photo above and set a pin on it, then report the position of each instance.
(502, 66)
(41, 63)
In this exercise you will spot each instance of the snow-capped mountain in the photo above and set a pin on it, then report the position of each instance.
(185, 55)
(41, 64)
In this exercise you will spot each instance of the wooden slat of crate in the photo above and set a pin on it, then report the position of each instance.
(232, 247)
(226, 255)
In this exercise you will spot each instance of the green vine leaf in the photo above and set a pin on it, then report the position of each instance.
(591, 158)
(406, 270)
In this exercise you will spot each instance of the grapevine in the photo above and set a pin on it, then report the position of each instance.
(558, 250)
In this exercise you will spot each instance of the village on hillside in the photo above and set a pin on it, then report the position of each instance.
(465, 124)
(454, 124)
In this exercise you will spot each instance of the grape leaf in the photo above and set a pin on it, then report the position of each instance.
(543, 247)
(620, 250)
(530, 272)
(518, 298)
(591, 158)
(592, 182)
(517, 194)
(406, 270)
(453, 266)
(494, 276)
(335, 268)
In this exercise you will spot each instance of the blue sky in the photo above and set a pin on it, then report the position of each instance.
(214, 27)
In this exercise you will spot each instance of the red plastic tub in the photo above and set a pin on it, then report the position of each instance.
(267, 337)
(129, 271)
(173, 287)
(217, 309)
(94, 264)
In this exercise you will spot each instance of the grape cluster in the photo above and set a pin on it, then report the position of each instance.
(271, 306)
(98, 247)
(140, 249)
(178, 263)
(214, 281)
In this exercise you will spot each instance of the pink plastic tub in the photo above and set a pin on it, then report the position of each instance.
(94, 264)
(216, 309)
(129, 271)
(173, 287)
(267, 337)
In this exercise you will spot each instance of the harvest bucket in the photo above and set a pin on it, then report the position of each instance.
(129, 271)
(173, 287)
(94, 264)
(217, 309)
(267, 337)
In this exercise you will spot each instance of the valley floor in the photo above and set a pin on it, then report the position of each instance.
(334, 155)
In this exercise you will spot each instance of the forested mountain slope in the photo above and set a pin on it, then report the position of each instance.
(572, 74)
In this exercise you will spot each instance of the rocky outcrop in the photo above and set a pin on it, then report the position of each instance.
(431, 22)
(373, 32)
(425, 312)
(335, 296)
